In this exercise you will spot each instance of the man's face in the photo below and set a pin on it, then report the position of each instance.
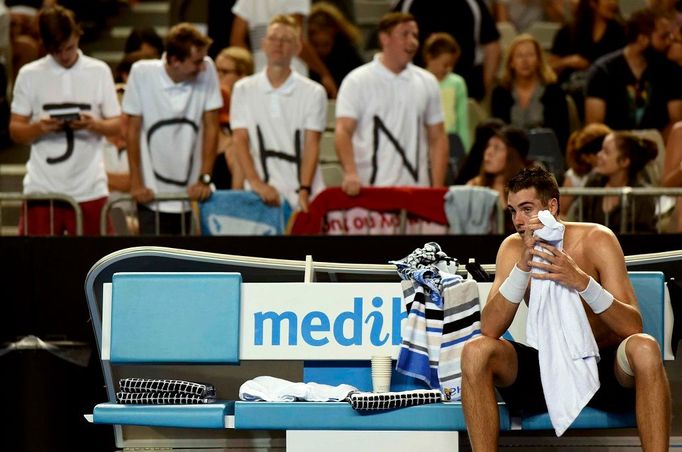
(281, 44)
(524, 205)
(227, 72)
(190, 67)
(400, 45)
(662, 36)
(67, 55)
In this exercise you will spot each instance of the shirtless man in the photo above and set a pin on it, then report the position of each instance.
(630, 370)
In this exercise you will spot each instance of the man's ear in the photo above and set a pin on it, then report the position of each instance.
(553, 207)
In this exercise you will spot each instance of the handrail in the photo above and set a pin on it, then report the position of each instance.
(104, 216)
(51, 197)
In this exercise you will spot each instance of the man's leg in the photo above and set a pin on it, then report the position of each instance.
(652, 392)
(485, 363)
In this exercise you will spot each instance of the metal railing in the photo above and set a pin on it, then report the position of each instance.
(51, 198)
(104, 217)
(627, 197)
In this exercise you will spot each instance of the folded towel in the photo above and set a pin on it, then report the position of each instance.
(390, 400)
(147, 385)
(470, 209)
(558, 328)
(161, 398)
(271, 389)
(237, 212)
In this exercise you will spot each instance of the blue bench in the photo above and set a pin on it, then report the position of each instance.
(189, 323)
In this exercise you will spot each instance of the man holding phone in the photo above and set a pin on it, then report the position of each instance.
(63, 106)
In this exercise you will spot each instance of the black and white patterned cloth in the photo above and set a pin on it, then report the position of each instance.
(161, 398)
(150, 391)
(145, 385)
(391, 400)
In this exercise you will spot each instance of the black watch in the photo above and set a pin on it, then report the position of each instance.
(205, 179)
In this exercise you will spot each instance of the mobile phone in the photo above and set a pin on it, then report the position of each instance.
(66, 114)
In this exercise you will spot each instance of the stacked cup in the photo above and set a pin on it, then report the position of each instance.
(381, 373)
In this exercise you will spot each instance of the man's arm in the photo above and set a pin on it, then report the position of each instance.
(138, 190)
(104, 126)
(438, 153)
(311, 153)
(674, 115)
(199, 191)
(595, 110)
(23, 131)
(492, 53)
(240, 29)
(268, 193)
(343, 141)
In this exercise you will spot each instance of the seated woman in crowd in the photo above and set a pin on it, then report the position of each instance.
(232, 64)
(595, 31)
(620, 163)
(335, 40)
(527, 96)
(581, 157)
(672, 171)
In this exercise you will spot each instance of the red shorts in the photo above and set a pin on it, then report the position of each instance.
(62, 221)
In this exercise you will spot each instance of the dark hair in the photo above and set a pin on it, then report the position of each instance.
(582, 24)
(641, 22)
(516, 141)
(181, 38)
(439, 43)
(540, 179)
(144, 35)
(586, 141)
(56, 25)
(391, 20)
(124, 66)
(638, 150)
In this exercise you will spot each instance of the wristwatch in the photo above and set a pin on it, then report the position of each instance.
(205, 179)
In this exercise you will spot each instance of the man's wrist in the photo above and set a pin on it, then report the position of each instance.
(596, 297)
(514, 287)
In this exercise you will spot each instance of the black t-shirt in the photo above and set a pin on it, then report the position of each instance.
(459, 19)
(632, 103)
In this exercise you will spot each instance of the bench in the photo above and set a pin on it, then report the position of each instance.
(149, 311)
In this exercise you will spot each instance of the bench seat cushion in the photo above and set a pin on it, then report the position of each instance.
(210, 415)
(589, 418)
(446, 416)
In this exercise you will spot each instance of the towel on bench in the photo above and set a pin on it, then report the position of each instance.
(272, 389)
(390, 400)
(161, 398)
(162, 385)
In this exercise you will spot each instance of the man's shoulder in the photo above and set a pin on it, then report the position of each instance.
(611, 60)
(308, 85)
(361, 72)
(249, 82)
(422, 73)
(89, 62)
(586, 232)
(34, 67)
(144, 67)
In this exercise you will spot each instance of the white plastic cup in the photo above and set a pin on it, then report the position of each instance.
(381, 373)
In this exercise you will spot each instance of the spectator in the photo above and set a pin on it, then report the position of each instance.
(619, 164)
(66, 154)
(472, 26)
(673, 10)
(389, 119)
(637, 87)
(581, 157)
(523, 13)
(172, 104)
(441, 52)
(672, 170)
(594, 32)
(474, 159)
(279, 117)
(144, 39)
(528, 96)
(504, 156)
(24, 34)
(251, 19)
(335, 40)
(232, 64)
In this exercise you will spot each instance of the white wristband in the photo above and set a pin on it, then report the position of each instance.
(514, 287)
(596, 297)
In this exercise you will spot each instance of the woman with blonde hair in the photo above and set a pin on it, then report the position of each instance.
(528, 96)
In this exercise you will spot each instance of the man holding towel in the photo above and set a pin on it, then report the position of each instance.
(591, 263)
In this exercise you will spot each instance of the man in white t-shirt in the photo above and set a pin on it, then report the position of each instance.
(63, 105)
(172, 134)
(389, 119)
(251, 20)
(277, 117)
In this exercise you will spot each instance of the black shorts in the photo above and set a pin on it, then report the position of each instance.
(525, 397)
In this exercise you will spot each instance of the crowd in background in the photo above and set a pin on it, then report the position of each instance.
(604, 78)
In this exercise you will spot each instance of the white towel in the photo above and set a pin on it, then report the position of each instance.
(557, 327)
(271, 389)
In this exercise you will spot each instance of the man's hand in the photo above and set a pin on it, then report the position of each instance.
(86, 122)
(199, 192)
(561, 267)
(141, 193)
(49, 125)
(303, 200)
(351, 184)
(267, 193)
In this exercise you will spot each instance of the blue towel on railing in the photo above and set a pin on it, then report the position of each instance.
(237, 212)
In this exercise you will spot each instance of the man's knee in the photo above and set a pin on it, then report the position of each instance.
(642, 354)
(482, 355)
